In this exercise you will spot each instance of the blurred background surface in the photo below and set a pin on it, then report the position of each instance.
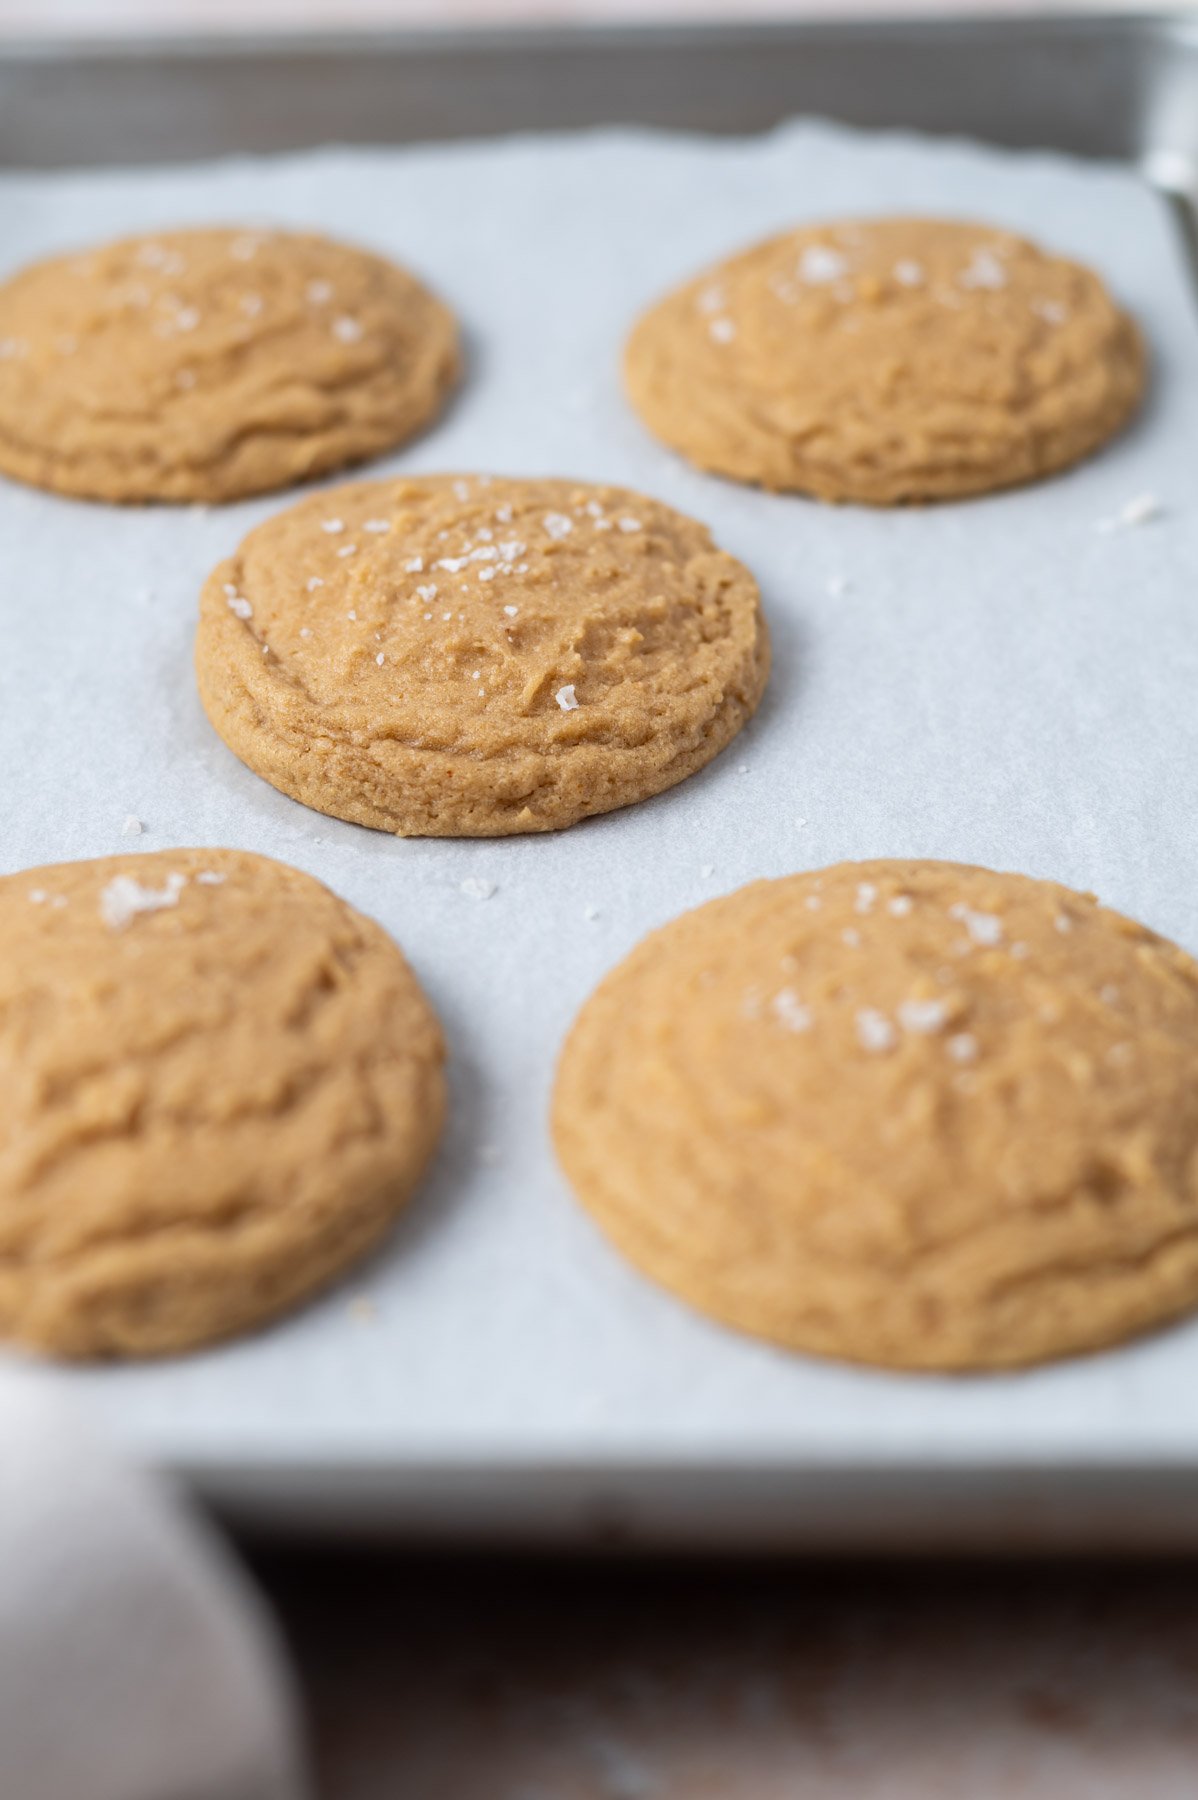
(95, 17)
(477, 1680)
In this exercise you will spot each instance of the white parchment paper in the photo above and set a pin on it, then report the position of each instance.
(998, 681)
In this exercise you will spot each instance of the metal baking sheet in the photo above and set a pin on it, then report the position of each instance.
(1002, 681)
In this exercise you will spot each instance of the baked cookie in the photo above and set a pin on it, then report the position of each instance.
(220, 1084)
(206, 365)
(906, 1113)
(468, 657)
(887, 360)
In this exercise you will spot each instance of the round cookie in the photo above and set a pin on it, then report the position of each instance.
(886, 361)
(473, 657)
(207, 365)
(220, 1084)
(905, 1113)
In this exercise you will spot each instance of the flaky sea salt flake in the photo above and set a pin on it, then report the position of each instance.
(789, 1010)
(124, 898)
(820, 265)
(984, 271)
(1140, 510)
(875, 1033)
(983, 928)
(922, 1016)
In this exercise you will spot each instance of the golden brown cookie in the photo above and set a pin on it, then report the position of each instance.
(206, 365)
(220, 1084)
(907, 1113)
(887, 360)
(471, 657)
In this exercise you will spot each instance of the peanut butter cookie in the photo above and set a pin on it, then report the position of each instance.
(207, 365)
(220, 1085)
(474, 657)
(905, 1113)
(887, 360)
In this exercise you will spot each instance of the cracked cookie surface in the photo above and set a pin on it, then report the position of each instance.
(473, 657)
(206, 365)
(220, 1085)
(890, 360)
(907, 1113)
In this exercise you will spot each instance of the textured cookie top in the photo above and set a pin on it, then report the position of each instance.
(908, 1113)
(205, 365)
(889, 360)
(476, 656)
(218, 1083)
